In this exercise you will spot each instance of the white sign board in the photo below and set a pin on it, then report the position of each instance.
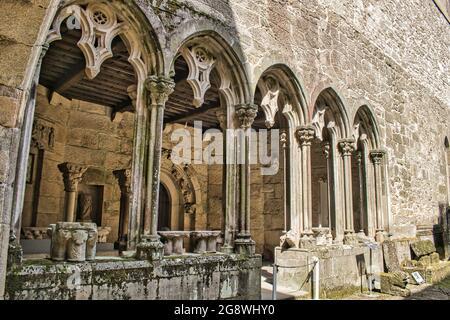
(416, 275)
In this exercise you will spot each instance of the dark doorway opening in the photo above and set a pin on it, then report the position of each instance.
(164, 209)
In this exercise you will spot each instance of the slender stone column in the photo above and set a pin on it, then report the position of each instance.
(361, 193)
(228, 184)
(346, 146)
(246, 114)
(72, 175)
(124, 179)
(305, 136)
(326, 153)
(377, 156)
(150, 246)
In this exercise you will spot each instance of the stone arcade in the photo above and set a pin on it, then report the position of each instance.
(93, 92)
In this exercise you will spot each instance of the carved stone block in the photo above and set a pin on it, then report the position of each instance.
(73, 241)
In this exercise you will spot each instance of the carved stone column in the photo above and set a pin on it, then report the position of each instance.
(72, 175)
(246, 114)
(305, 136)
(229, 183)
(346, 147)
(150, 246)
(124, 179)
(377, 157)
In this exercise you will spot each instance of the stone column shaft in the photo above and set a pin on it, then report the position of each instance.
(228, 192)
(124, 179)
(377, 157)
(72, 175)
(150, 246)
(305, 136)
(346, 147)
(246, 115)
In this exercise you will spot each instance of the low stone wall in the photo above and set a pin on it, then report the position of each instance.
(215, 276)
(343, 269)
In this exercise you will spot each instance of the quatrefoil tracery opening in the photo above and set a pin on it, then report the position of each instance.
(100, 18)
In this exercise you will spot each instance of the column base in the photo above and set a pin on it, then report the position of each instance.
(15, 254)
(350, 238)
(150, 248)
(121, 244)
(227, 249)
(244, 245)
(380, 236)
(307, 240)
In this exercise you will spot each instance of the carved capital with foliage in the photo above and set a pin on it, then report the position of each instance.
(160, 88)
(305, 135)
(246, 114)
(72, 175)
(377, 156)
(346, 147)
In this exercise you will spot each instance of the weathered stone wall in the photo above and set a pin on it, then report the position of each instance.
(342, 270)
(388, 54)
(188, 278)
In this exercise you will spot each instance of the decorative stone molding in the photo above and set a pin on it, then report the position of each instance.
(346, 147)
(270, 91)
(34, 233)
(377, 156)
(73, 241)
(246, 114)
(99, 25)
(318, 122)
(160, 88)
(72, 175)
(326, 149)
(200, 63)
(43, 135)
(305, 135)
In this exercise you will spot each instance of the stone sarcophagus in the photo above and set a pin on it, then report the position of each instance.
(73, 241)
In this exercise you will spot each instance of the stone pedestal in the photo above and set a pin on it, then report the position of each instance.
(205, 241)
(150, 248)
(173, 241)
(73, 241)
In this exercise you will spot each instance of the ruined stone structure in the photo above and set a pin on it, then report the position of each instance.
(92, 93)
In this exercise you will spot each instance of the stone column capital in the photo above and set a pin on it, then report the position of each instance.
(305, 135)
(346, 147)
(160, 88)
(326, 149)
(283, 139)
(72, 175)
(221, 115)
(124, 178)
(246, 114)
(377, 156)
